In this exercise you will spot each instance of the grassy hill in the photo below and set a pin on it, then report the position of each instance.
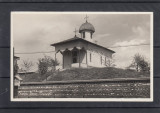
(85, 74)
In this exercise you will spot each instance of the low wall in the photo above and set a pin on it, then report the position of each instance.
(108, 88)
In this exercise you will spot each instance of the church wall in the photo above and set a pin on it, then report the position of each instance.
(83, 56)
(103, 60)
(95, 59)
(96, 49)
(96, 54)
(100, 50)
(88, 36)
(59, 58)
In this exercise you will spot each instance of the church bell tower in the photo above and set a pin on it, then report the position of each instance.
(86, 30)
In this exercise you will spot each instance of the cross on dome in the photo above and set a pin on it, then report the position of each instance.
(75, 31)
(86, 26)
(86, 18)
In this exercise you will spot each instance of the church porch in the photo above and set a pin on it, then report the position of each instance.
(74, 58)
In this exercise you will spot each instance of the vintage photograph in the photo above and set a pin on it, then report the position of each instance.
(82, 56)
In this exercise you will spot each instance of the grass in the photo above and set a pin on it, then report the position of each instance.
(35, 77)
(85, 74)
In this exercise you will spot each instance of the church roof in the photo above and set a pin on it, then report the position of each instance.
(86, 26)
(80, 39)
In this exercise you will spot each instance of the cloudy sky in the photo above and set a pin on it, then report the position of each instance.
(35, 32)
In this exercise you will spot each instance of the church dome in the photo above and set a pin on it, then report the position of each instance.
(86, 26)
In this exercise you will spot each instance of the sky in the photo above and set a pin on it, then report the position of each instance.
(34, 32)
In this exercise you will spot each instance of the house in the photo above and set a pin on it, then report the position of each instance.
(82, 51)
(15, 64)
(17, 83)
(17, 80)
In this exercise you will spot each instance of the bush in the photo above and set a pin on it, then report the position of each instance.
(45, 63)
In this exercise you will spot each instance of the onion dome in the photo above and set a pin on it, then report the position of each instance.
(86, 27)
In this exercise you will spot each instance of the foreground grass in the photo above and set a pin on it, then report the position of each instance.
(35, 77)
(84, 74)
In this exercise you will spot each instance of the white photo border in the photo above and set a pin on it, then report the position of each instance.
(81, 99)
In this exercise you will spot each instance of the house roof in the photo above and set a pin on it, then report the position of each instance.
(80, 39)
(18, 77)
(16, 57)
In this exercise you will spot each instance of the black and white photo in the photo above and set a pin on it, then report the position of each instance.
(82, 56)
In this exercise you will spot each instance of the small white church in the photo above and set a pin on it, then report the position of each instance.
(83, 51)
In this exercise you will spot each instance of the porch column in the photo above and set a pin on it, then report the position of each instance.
(71, 58)
(86, 59)
(55, 56)
(63, 60)
(55, 61)
(79, 58)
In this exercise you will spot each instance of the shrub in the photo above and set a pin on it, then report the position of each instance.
(45, 63)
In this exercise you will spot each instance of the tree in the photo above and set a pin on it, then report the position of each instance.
(53, 64)
(110, 62)
(144, 66)
(27, 65)
(139, 63)
(136, 61)
(45, 63)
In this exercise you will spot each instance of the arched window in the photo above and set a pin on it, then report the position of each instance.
(90, 57)
(91, 35)
(101, 60)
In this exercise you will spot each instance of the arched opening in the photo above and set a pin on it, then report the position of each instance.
(74, 56)
(83, 34)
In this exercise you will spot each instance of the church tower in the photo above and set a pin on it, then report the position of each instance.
(86, 30)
